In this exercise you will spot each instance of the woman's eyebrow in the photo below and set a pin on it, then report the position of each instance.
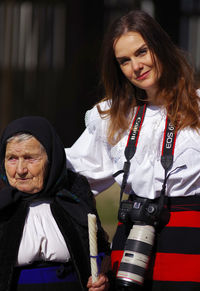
(140, 48)
(121, 58)
(135, 52)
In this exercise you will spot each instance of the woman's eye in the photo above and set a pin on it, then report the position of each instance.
(11, 158)
(29, 158)
(142, 51)
(123, 62)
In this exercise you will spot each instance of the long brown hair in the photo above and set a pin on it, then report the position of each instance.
(176, 85)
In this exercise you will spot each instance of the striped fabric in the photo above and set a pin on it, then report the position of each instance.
(175, 262)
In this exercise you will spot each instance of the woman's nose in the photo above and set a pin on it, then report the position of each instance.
(21, 167)
(136, 65)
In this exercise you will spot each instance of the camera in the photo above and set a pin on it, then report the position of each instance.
(139, 209)
(144, 214)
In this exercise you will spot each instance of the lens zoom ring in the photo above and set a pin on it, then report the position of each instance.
(138, 246)
(130, 268)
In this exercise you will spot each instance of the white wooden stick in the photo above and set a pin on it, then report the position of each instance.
(92, 230)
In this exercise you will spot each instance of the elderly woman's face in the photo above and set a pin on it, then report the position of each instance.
(25, 165)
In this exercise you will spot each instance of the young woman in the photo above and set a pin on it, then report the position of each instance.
(145, 136)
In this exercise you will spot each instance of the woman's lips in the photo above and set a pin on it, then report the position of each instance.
(23, 179)
(143, 76)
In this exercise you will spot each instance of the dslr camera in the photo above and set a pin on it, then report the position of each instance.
(144, 214)
(139, 209)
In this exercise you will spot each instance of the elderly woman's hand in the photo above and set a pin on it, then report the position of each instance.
(101, 284)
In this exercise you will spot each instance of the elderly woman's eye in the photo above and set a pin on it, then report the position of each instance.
(31, 159)
(27, 157)
(11, 158)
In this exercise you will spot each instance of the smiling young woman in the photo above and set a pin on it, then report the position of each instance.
(137, 63)
(175, 89)
(145, 135)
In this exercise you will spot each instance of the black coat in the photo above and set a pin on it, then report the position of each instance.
(69, 208)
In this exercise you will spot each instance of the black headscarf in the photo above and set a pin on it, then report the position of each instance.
(44, 132)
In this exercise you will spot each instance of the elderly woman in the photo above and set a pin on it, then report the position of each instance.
(43, 213)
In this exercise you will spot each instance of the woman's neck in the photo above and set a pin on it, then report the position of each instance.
(154, 99)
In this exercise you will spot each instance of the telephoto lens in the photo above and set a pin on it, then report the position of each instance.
(136, 256)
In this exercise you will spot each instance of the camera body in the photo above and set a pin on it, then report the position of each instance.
(144, 215)
(139, 209)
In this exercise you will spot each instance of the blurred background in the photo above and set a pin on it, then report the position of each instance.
(49, 61)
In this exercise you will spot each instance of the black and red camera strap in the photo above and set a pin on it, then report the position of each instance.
(169, 140)
(168, 146)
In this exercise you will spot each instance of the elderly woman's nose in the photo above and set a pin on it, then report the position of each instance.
(21, 166)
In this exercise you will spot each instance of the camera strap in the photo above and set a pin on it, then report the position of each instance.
(131, 145)
(169, 140)
(167, 154)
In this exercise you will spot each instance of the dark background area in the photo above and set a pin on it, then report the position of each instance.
(49, 54)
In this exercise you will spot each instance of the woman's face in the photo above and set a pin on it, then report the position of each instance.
(25, 165)
(136, 62)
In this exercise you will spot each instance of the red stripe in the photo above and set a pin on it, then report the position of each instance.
(169, 267)
(177, 267)
(175, 134)
(164, 136)
(116, 257)
(184, 219)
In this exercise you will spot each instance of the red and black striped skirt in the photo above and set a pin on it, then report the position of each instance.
(175, 261)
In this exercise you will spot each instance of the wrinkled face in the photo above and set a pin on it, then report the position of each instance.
(136, 62)
(25, 165)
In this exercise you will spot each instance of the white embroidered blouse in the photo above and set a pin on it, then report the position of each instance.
(93, 157)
